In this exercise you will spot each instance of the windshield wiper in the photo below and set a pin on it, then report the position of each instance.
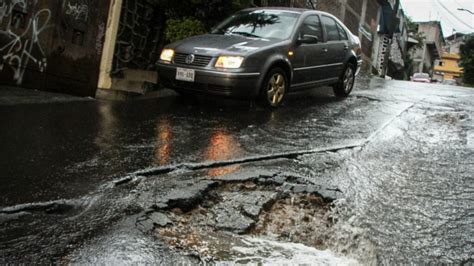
(246, 34)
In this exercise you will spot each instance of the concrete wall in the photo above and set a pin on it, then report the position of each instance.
(53, 45)
(432, 33)
(422, 60)
(134, 37)
(424, 57)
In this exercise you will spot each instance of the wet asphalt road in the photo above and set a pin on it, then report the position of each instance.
(406, 179)
(65, 150)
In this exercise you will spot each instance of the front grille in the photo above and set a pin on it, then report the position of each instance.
(199, 60)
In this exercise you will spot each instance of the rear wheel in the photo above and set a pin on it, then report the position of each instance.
(274, 88)
(346, 82)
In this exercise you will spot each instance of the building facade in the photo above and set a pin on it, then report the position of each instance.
(447, 68)
(454, 42)
(431, 48)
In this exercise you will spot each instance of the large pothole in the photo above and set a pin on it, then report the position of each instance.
(222, 218)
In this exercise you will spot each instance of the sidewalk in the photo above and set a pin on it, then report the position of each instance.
(10, 96)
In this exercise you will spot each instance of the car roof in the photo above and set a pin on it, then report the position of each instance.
(293, 10)
(289, 9)
(301, 11)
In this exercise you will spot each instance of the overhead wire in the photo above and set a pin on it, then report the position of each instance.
(459, 4)
(452, 14)
(448, 21)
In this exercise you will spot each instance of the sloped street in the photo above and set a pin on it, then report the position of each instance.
(382, 176)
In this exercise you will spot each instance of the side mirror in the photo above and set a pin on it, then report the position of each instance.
(307, 39)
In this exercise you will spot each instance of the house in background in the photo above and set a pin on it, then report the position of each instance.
(447, 68)
(431, 49)
(454, 42)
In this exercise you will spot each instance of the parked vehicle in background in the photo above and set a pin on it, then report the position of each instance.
(265, 53)
(421, 77)
(450, 82)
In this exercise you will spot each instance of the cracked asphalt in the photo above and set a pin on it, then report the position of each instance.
(384, 176)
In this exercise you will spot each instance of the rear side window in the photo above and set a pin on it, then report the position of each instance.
(342, 33)
(312, 26)
(331, 28)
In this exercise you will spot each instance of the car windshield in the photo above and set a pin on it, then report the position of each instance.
(268, 24)
(421, 76)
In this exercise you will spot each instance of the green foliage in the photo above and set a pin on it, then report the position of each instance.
(184, 18)
(408, 66)
(412, 26)
(413, 32)
(178, 29)
(467, 60)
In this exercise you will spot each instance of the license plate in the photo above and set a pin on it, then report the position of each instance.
(185, 74)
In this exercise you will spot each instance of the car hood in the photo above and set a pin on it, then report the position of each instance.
(214, 45)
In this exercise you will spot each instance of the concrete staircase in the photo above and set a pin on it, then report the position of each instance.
(133, 83)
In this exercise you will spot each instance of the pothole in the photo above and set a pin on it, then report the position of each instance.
(232, 209)
(300, 218)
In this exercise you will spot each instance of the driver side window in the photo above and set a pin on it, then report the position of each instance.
(312, 26)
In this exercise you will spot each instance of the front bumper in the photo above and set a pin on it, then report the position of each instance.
(206, 81)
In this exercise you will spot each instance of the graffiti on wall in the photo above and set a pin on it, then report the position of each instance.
(78, 10)
(6, 8)
(20, 38)
(138, 37)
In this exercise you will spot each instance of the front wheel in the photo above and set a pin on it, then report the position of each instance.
(274, 88)
(346, 82)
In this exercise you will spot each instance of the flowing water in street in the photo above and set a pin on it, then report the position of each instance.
(400, 155)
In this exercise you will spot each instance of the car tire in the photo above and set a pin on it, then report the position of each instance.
(346, 82)
(274, 88)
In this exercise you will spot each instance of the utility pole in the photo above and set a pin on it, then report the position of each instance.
(391, 30)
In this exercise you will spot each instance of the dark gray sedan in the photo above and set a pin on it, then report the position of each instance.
(264, 53)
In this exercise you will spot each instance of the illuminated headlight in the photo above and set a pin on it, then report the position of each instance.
(167, 55)
(229, 61)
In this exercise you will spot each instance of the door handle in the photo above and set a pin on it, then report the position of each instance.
(325, 50)
(346, 48)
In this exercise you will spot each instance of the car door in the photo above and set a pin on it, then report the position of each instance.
(308, 57)
(337, 46)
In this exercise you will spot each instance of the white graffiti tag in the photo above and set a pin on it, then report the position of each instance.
(6, 7)
(18, 52)
(78, 11)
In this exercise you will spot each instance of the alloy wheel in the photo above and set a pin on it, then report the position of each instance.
(349, 79)
(276, 89)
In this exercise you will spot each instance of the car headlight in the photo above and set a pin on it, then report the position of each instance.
(167, 55)
(226, 61)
